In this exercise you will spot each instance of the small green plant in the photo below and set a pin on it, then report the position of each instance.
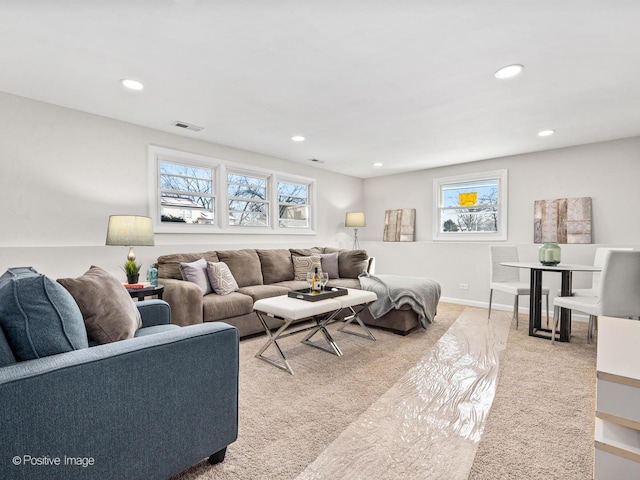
(132, 268)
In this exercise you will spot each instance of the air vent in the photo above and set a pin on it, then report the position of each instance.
(187, 126)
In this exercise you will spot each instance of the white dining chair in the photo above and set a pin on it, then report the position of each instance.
(507, 279)
(618, 292)
(598, 261)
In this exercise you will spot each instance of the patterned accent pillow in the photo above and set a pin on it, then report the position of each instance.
(196, 272)
(302, 265)
(221, 278)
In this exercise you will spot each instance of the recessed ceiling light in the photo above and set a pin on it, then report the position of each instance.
(546, 133)
(377, 164)
(297, 138)
(132, 84)
(509, 71)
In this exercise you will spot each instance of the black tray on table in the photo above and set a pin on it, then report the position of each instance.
(327, 292)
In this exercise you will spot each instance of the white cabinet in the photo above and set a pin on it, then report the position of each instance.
(617, 430)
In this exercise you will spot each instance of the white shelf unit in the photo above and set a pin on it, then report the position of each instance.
(617, 425)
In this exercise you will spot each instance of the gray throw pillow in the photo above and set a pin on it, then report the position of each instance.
(196, 272)
(329, 263)
(109, 312)
(38, 316)
(352, 263)
(221, 279)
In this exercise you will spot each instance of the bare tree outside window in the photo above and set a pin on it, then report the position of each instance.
(247, 196)
(186, 194)
(471, 207)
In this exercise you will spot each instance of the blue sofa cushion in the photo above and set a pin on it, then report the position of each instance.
(38, 316)
(109, 312)
(6, 355)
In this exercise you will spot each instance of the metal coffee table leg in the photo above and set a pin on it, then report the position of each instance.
(273, 341)
(356, 316)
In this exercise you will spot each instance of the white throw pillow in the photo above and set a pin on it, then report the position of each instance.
(221, 278)
(303, 265)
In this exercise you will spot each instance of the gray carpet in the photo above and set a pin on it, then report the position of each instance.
(540, 425)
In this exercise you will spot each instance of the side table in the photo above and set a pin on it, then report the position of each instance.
(141, 293)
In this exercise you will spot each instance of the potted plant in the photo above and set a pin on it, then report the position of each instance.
(132, 269)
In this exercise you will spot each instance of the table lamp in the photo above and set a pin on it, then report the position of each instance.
(130, 231)
(355, 220)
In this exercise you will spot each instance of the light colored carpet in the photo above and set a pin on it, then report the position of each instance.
(435, 413)
(540, 425)
(542, 420)
(286, 421)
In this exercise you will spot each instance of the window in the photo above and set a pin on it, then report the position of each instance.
(293, 205)
(196, 194)
(247, 200)
(471, 207)
(186, 194)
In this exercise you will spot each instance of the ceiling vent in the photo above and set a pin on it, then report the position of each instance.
(187, 126)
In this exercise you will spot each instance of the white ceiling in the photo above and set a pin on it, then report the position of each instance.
(408, 83)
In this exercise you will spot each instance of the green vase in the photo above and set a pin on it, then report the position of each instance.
(549, 254)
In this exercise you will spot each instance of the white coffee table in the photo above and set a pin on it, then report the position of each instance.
(323, 312)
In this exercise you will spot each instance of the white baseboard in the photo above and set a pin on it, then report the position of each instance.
(579, 317)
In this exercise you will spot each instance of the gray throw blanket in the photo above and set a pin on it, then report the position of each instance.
(393, 291)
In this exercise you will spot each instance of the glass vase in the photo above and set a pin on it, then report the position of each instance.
(549, 254)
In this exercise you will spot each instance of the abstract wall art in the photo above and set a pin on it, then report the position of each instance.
(399, 225)
(564, 220)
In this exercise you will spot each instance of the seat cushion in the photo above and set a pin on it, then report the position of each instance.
(142, 332)
(109, 312)
(256, 292)
(38, 316)
(219, 307)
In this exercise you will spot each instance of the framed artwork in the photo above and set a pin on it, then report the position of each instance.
(564, 220)
(399, 225)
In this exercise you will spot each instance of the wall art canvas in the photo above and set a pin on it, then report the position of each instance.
(399, 225)
(564, 220)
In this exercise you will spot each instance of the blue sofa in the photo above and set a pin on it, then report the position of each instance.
(143, 408)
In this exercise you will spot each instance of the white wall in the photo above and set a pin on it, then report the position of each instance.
(607, 172)
(63, 172)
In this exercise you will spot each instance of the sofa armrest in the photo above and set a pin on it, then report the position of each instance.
(147, 407)
(154, 312)
(185, 299)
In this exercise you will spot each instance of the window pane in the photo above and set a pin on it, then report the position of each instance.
(476, 193)
(294, 216)
(186, 194)
(469, 220)
(243, 186)
(248, 213)
(293, 205)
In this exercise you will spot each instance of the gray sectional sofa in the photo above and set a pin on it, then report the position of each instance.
(261, 273)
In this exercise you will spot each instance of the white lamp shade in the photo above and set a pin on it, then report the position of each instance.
(355, 219)
(129, 230)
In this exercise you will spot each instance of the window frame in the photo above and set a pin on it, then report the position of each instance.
(502, 208)
(221, 168)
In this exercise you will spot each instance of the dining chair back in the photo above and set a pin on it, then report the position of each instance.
(618, 291)
(598, 261)
(507, 279)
